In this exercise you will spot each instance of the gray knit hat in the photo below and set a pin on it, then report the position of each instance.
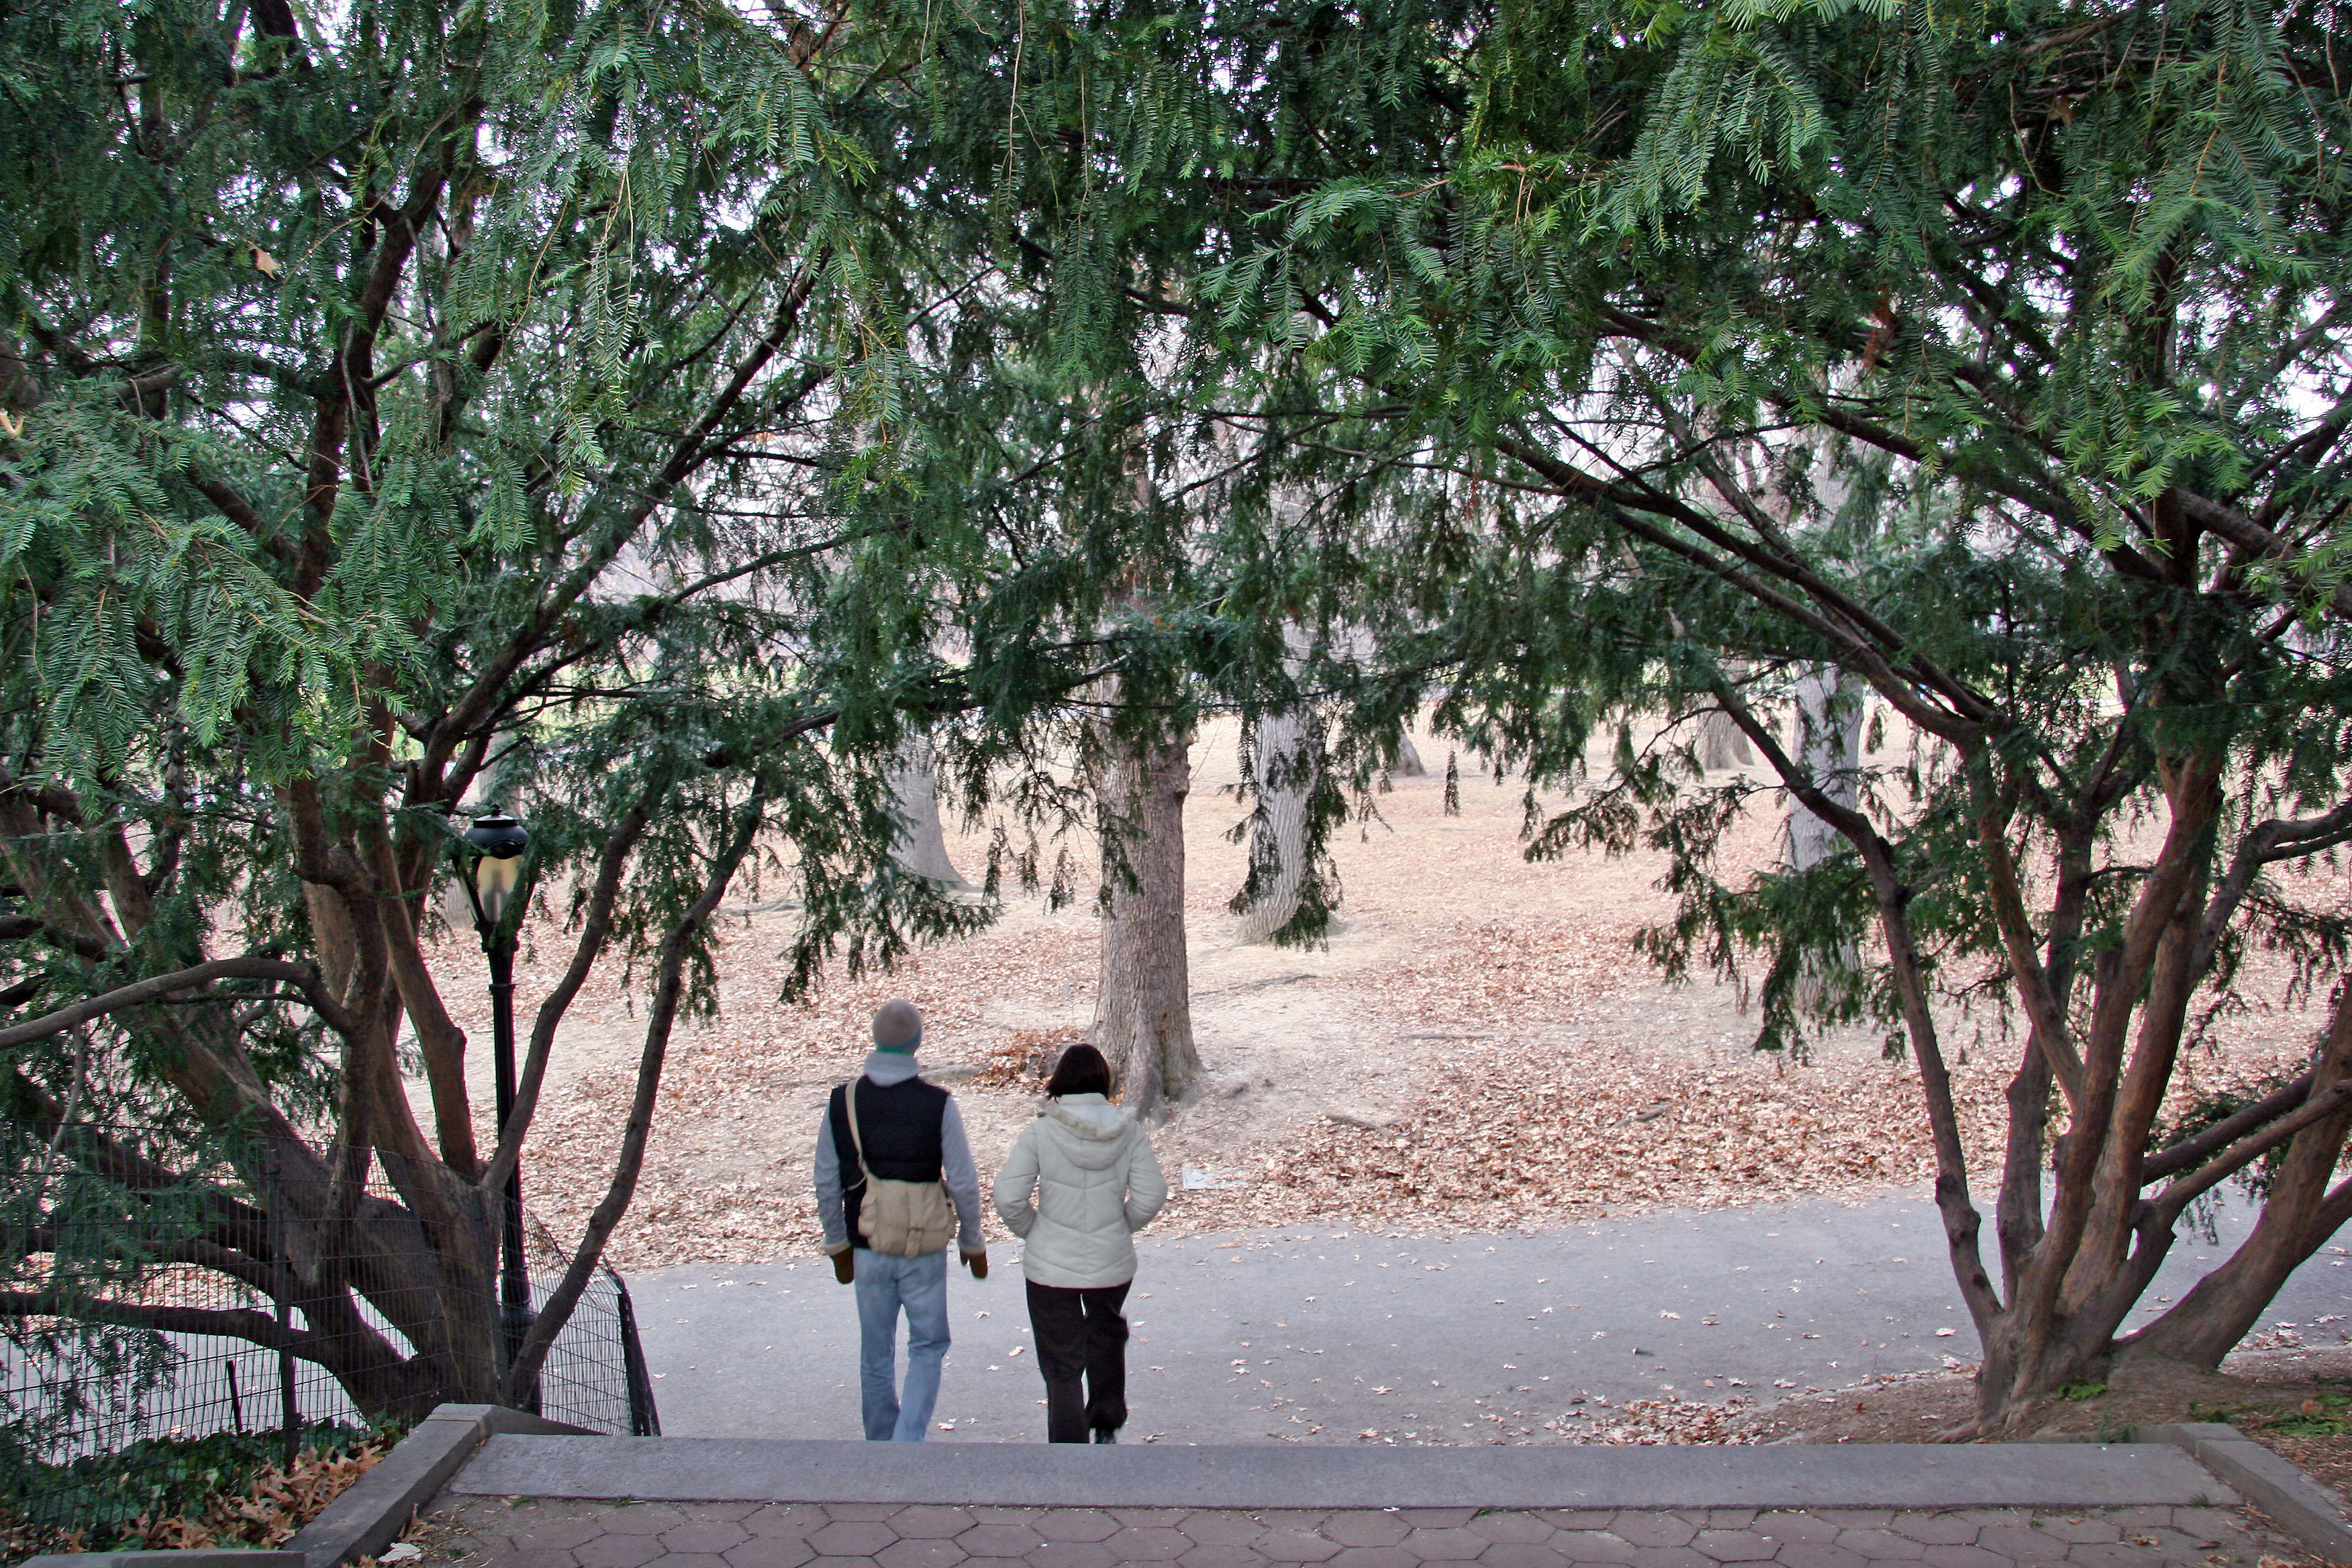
(898, 1026)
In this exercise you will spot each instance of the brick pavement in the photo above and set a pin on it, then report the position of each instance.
(527, 1532)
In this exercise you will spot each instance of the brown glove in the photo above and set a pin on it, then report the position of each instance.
(845, 1266)
(978, 1263)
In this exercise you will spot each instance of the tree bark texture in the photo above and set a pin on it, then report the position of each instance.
(1143, 1019)
(1829, 746)
(1721, 745)
(1287, 747)
(922, 848)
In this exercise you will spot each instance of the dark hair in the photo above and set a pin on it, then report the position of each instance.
(1081, 1071)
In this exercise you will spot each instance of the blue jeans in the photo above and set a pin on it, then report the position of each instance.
(884, 1284)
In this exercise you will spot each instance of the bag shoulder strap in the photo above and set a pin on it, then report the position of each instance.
(856, 1138)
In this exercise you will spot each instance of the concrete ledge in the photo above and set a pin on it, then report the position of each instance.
(371, 1515)
(2299, 1504)
(205, 1557)
(1878, 1476)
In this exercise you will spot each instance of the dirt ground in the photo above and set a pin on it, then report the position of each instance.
(2296, 1400)
(1477, 1048)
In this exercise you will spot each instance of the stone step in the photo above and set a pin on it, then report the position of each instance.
(1857, 1476)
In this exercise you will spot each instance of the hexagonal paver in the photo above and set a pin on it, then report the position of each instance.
(2013, 1539)
(1879, 1545)
(1576, 1518)
(1593, 1546)
(1445, 1543)
(544, 1534)
(1734, 1545)
(694, 1559)
(1794, 1525)
(1074, 1524)
(1817, 1555)
(1670, 1557)
(921, 1554)
(718, 1512)
(1364, 1526)
(1375, 1557)
(1222, 1555)
(1521, 1528)
(1975, 1557)
(841, 1563)
(930, 1521)
(771, 1551)
(2100, 1554)
(1652, 1529)
(1730, 1518)
(537, 1560)
(1297, 1546)
(620, 1551)
(1307, 1519)
(787, 1518)
(999, 1540)
(1220, 1527)
(1072, 1555)
(1951, 1527)
(1521, 1554)
(861, 1513)
(711, 1537)
(1439, 1518)
(852, 1538)
(2070, 1528)
(642, 1519)
(1154, 1543)
(1147, 1516)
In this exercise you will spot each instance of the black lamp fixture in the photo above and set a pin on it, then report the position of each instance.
(496, 844)
(492, 859)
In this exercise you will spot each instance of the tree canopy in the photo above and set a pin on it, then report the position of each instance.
(648, 417)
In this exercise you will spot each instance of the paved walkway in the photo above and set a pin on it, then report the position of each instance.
(1323, 1335)
(524, 1533)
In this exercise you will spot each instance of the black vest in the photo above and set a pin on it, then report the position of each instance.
(900, 1123)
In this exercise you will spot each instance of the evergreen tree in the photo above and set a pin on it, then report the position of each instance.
(2054, 295)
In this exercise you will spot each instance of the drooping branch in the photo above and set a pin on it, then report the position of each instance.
(302, 977)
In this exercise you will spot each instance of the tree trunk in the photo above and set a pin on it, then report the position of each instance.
(1721, 745)
(922, 848)
(1143, 1019)
(1288, 747)
(1409, 764)
(1829, 747)
(2300, 1212)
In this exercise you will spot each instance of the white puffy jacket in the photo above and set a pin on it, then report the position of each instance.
(1079, 1185)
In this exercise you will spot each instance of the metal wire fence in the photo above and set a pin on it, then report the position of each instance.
(160, 1326)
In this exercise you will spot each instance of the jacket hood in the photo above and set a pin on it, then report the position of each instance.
(1090, 1129)
(885, 1068)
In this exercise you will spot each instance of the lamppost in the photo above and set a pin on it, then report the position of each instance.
(491, 866)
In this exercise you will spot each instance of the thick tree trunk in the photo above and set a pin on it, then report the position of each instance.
(922, 848)
(2299, 1213)
(1829, 747)
(1721, 745)
(1143, 1020)
(1409, 764)
(1288, 747)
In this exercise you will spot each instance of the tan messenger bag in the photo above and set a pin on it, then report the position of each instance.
(900, 1219)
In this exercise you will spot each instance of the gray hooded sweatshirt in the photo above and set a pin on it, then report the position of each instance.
(1077, 1186)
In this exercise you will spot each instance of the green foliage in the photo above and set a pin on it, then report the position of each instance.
(107, 1497)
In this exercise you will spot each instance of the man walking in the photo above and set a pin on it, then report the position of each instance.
(890, 1159)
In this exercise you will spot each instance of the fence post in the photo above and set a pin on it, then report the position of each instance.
(645, 1421)
(290, 1409)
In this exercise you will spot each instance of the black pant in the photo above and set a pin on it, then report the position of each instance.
(1080, 1333)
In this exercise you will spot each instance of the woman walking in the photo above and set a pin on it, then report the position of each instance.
(1077, 1186)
